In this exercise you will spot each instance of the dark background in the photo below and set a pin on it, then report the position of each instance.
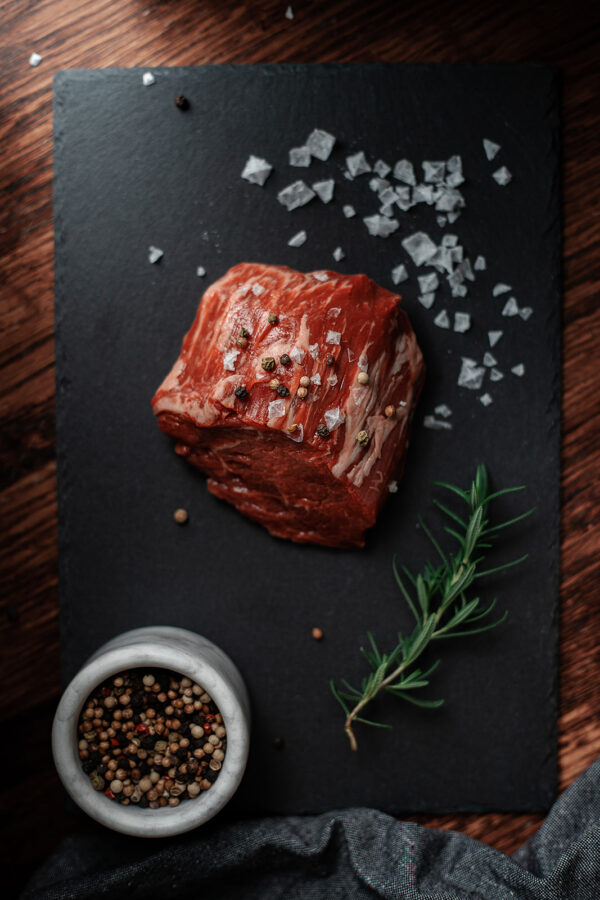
(100, 34)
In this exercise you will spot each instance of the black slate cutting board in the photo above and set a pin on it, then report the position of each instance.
(132, 170)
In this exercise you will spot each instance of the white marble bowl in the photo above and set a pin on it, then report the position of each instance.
(167, 648)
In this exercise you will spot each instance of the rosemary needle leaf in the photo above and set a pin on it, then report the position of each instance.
(440, 606)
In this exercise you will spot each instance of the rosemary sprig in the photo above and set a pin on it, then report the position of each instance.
(438, 601)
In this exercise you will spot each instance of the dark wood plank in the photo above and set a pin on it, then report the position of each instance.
(101, 33)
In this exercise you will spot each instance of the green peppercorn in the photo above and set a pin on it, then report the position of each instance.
(268, 363)
(323, 431)
(283, 391)
(273, 319)
(362, 438)
(330, 360)
(285, 360)
(240, 392)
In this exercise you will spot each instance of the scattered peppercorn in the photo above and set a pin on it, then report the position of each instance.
(181, 517)
(363, 377)
(268, 363)
(274, 383)
(273, 319)
(240, 392)
(330, 359)
(317, 633)
(305, 381)
(323, 431)
(292, 429)
(283, 391)
(301, 393)
(242, 342)
(135, 765)
(285, 359)
(390, 411)
(244, 332)
(362, 438)
(181, 102)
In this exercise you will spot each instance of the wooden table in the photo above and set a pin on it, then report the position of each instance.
(101, 33)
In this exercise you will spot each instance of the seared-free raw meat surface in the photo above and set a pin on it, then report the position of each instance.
(294, 463)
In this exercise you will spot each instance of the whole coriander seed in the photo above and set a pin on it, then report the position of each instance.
(302, 393)
(240, 392)
(180, 516)
(390, 411)
(363, 378)
(274, 383)
(285, 359)
(305, 381)
(317, 634)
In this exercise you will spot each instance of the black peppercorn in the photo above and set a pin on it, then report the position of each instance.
(244, 332)
(181, 102)
(323, 431)
(283, 391)
(285, 360)
(240, 392)
(330, 360)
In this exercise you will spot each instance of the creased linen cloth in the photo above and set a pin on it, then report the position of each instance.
(354, 853)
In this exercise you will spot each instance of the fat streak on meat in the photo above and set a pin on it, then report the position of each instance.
(296, 483)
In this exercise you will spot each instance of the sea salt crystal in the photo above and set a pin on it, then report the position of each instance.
(229, 359)
(296, 194)
(316, 378)
(525, 312)
(442, 320)
(257, 289)
(433, 172)
(338, 254)
(297, 435)
(332, 380)
(468, 269)
(453, 216)
(471, 375)
(313, 349)
(496, 375)
(502, 176)
(348, 210)
(320, 143)
(518, 370)
(480, 264)
(379, 184)
(510, 307)
(491, 149)
(363, 363)
(489, 359)
(462, 322)
(256, 170)
(148, 79)
(388, 196)
(448, 199)
(494, 337)
(154, 254)
(380, 226)
(442, 221)
(449, 240)
(35, 59)
(393, 487)
(485, 399)
(427, 300)
(324, 189)
(297, 239)
(419, 247)
(289, 13)
(443, 410)
(297, 355)
(436, 424)
(403, 199)
(200, 271)
(333, 337)
(455, 179)
(423, 193)
(276, 409)
(321, 276)
(429, 282)
(404, 171)
(381, 168)
(387, 210)
(459, 290)
(299, 156)
(334, 418)
(399, 274)
(357, 164)
(500, 288)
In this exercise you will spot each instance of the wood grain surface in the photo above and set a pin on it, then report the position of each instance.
(102, 33)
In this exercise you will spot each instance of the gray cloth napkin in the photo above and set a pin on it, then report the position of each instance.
(354, 853)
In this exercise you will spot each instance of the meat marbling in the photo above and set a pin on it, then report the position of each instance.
(297, 483)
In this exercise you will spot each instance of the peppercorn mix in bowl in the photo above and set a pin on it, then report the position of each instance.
(151, 736)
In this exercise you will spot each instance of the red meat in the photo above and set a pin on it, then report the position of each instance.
(294, 464)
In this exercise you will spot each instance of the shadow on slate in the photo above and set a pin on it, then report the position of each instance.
(132, 170)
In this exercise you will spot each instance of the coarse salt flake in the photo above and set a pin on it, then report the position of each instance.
(334, 418)
(419, 247)
(154, 254)
(480, 264)
(289, 13)
(321, 276)
(320, 143)
(229, 358)
(200, 271)
(35, 59)
(428, 282)
(399, 274)
(297, 239)
(433, 172)
(471, 375)
(294, 195)
(381, 168)
(348, 210)
(443, 410)
(332, 380)
(494, 337)
(324, 189)
(518, 370)
(257, 289)
(381, 226)
(442, 320)
(338, 254)
(276, 409)
(363, 363)
(525, 312)
(256, 170)
(489, 359)
(496, 375)
(357, 164)
(393, 487)
(427, 300)
(436, 424)
(510, 307)
(316, 378)
(462, 322)
(502, 176)
(297, 355)
(313, 349)
(485, 399)
(404, 171)
(148, 79)
(333, 337)
(491, 148)
(297, 435)
(500, 288)
(299, 157)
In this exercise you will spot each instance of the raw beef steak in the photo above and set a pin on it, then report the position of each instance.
(311, 460)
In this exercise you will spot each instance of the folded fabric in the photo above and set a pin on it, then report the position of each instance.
(354, 853)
